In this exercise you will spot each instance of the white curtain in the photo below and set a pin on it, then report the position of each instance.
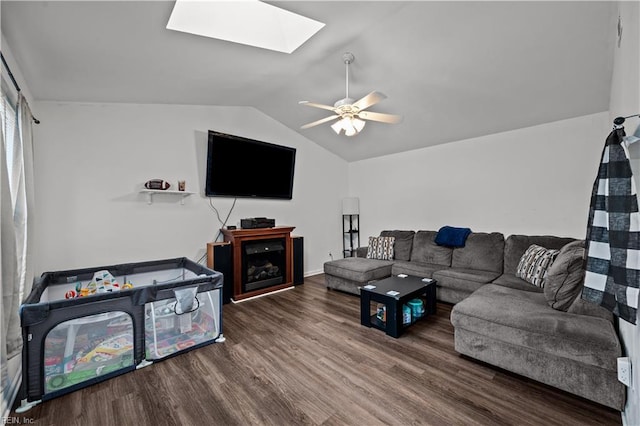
(9, 271)
(16, 232)
(21, 181)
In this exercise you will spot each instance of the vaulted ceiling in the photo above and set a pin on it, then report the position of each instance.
(454, 70)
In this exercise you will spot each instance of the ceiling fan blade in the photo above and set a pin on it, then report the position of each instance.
(323, 120)
(378, 116)
(371, 99)
(315, 105)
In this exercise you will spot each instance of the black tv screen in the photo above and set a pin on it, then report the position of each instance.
(241, 167)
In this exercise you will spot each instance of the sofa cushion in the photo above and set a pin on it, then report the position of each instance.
(474, 275)
(463, 280)
(359, 269)
(482, 251)
(380, 248)
(516, 245)
(523, 318)
(417, 269)
(425, 250)
(565, 276)
(535, 263)
(511, 281)
(403, 243)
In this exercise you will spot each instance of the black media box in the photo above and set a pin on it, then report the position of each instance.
(257, 222)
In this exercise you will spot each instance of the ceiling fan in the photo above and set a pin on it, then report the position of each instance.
(352, 113)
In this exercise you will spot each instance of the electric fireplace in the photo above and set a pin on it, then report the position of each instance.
(262, 260)
(263, 263)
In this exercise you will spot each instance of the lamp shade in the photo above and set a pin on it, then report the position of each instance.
(351, 205)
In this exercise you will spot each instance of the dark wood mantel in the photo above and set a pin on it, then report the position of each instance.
(237, 236)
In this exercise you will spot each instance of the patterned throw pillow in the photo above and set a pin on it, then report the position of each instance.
(381, 248)
(535, 263)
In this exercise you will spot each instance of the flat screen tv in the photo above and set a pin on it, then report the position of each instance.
(241, 167)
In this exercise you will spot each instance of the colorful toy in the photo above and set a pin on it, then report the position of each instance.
(108, 349)
(71, 294)
(102, 282)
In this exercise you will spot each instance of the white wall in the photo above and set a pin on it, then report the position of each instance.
(625, 100)
(534, 180)
(91, 160)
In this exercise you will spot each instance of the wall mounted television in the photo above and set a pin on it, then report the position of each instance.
(242, 167)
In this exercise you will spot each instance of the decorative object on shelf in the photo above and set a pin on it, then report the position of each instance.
(182, 184)
(350, 226)
(417, 308)
(406, 315)
(157, 184)
(151, 192)
(381, 312)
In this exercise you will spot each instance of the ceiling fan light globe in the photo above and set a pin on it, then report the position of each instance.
(348, 127)
(337, 126)
(358, 124)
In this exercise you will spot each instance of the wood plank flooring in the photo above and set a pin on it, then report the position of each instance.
(301, 357)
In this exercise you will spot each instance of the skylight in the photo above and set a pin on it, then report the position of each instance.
(250, 22)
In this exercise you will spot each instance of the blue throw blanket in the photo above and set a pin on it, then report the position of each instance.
(452, 237)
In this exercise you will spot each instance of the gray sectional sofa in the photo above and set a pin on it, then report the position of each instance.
(501, 319)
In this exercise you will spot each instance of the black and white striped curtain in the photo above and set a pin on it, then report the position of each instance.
(613, 234)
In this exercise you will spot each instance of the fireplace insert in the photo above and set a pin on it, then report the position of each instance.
(263, 263)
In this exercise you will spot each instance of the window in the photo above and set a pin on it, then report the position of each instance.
(8, 118)
(14, 165)
(15, 174)
(16, 195)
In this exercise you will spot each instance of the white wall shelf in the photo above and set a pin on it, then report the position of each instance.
(151, 192)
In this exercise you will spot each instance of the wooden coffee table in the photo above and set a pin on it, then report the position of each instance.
(394, 292)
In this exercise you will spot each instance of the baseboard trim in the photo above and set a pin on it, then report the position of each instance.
(261, 295)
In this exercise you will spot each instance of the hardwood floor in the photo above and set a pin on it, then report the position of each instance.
(302, 357)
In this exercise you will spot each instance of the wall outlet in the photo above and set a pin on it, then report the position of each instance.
(624, 370)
